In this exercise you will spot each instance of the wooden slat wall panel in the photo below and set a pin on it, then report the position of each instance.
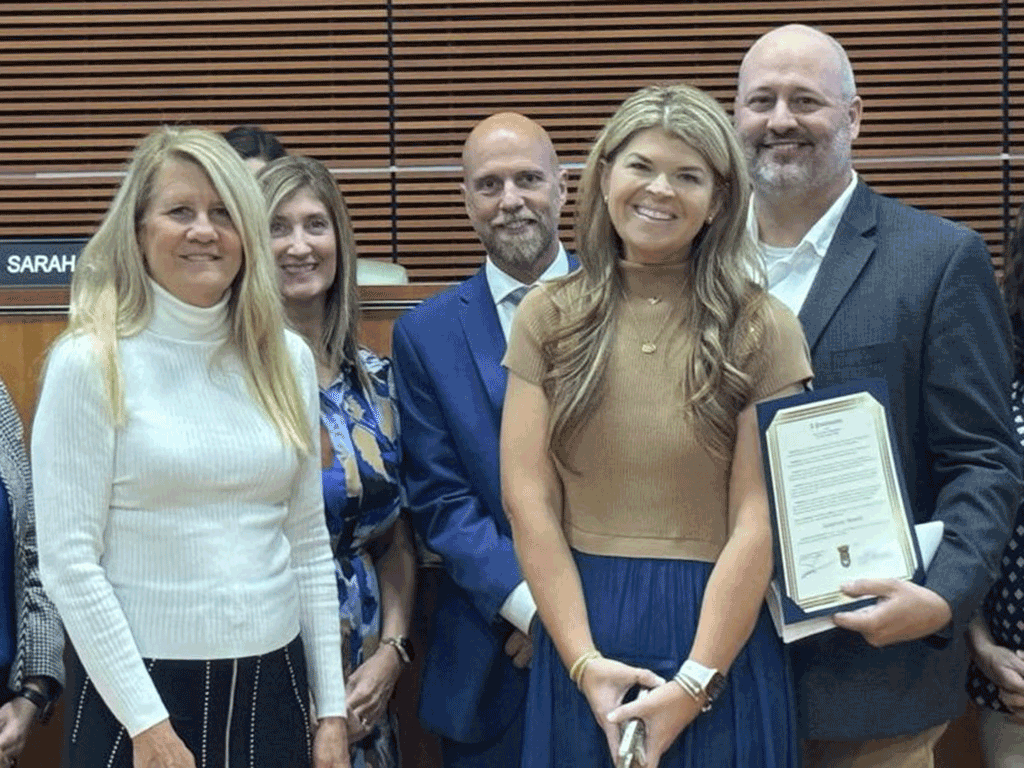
(80, 82)
(930, 75)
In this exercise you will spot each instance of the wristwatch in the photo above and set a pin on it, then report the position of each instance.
(402, 645)
(43, 702)
(711, 681)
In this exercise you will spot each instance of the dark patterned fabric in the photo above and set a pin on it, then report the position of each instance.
(1003, 608)
(40, 641)
(251, 712)
(362, 501)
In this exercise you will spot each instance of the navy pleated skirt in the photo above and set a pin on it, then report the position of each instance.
(644, 612)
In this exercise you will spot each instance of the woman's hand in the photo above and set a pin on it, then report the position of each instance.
(1005, 668)
(16, 718)
(666, 711)
(160, 747)
(605, 683)
(330, 744)
(368, 690)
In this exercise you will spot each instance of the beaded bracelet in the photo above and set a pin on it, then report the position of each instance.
(580, 665)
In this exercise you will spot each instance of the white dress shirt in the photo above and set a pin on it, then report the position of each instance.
(519, 607)
(791, 271)
(502, 285)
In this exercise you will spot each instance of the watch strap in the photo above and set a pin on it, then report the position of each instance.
(401, 645)
(41, 700)
(710, 681)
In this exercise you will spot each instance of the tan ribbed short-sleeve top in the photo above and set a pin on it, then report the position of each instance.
(646, 486)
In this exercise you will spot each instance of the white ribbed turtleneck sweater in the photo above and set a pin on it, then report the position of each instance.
(191, 532)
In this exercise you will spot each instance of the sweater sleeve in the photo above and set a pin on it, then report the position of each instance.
(306, 530)
(782, 358)
(535, 316)
(73, 445)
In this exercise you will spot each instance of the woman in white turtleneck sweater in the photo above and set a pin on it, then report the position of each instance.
(179, 508)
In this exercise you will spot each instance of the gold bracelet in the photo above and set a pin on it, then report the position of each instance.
(578, 666)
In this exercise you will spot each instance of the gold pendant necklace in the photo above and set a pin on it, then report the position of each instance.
(650, 346)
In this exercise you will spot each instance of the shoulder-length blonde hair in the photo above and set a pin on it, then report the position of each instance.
(111, 296)
(724, 300)
(281, 180)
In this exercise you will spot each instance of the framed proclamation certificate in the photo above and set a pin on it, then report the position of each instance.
(838, 501)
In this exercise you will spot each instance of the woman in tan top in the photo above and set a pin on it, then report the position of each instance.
(630, 463)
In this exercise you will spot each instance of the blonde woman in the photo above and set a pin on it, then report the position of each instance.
(630, 462)
(176, 451)
(375, 563)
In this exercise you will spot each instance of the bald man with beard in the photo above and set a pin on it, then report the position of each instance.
(884, 291)
(451, 386)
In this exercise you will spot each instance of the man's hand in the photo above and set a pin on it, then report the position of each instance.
(904, 611)
(520, 648)
(16, 718)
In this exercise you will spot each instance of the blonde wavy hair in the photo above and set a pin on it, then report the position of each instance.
(111, 297)
(726, 303)
(281, 180)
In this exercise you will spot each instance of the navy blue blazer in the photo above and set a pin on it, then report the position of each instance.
(911, 298)
(447, 356)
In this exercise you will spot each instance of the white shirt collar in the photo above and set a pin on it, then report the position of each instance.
(502, 284)
(819, 237)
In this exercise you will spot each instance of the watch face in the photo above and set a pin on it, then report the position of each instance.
(407, 647)
(713, 690)
(715, 686)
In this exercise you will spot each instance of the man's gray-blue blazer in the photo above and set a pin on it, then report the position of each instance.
(911, 298)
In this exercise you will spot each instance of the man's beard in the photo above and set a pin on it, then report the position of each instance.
(523, 250)
(801, 175)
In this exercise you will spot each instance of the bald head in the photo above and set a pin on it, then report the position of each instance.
(790, 37)
(514, 190)
(513, 129)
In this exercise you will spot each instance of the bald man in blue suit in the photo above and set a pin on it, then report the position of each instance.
(447, 354)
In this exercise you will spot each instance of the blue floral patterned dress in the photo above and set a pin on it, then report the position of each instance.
(361, 501)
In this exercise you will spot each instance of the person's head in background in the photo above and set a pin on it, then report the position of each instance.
(314, 249)
(256, 146)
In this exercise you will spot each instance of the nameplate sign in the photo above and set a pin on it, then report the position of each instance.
(38, 263)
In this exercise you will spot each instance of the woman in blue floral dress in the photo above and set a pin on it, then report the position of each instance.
(312, 241)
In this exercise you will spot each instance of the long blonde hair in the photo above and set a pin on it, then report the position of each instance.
(281, 180)
(111, 296)
(725, 302)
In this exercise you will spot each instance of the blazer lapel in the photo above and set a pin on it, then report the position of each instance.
(484, 336)
(852, 246)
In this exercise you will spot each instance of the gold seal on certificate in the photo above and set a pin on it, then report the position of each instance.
(837, 495)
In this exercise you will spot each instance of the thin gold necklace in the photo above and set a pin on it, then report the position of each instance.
(650, 346)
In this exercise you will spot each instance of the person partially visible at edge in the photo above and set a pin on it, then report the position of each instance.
(884, 291)
(447, 355)
(256, 145)
(176, 458)
(630, 462)
(996, 634)
(374, 559)
(31, 635)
